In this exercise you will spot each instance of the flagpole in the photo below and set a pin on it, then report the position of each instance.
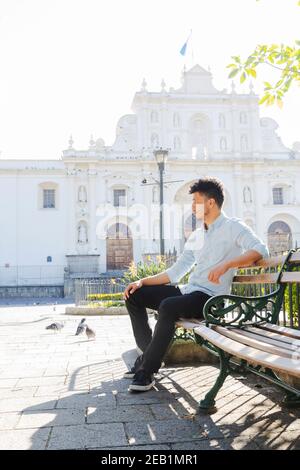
(192, 49)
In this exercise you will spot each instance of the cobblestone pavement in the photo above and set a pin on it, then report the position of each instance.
(61, 391)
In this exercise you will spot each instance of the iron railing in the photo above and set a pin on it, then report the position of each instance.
(86, 287)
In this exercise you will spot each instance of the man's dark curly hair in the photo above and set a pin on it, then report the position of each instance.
(211, 188)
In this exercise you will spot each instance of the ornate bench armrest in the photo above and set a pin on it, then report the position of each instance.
(244, 309)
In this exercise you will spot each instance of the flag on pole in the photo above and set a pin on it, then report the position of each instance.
(183, 49)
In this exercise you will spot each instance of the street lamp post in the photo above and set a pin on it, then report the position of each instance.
(161, 158)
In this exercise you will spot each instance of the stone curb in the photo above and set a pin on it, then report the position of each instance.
(103, 311)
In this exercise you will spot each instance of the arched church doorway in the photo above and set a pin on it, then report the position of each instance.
(119, 247)
(279, 237)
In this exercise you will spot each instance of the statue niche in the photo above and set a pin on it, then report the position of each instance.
(247, 194)
(82, 234)
(82, 196)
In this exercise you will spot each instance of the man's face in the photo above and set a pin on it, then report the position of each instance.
(201, 205)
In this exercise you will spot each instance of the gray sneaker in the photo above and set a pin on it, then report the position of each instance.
(130, 373)
(142, 382)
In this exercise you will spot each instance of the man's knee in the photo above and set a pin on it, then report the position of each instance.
(136, 298)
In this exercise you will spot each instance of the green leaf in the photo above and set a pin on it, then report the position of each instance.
(268, 85)
(263, 99)
(252, 72)
(243, 77)
(271, 100)
(279, 103)
(233, 73)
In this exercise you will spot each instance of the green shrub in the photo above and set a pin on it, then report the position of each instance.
(107, 304)
(149, 268)
(115, 296)
(292, 301)
(141, 270)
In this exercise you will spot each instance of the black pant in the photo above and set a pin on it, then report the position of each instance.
(171, 305)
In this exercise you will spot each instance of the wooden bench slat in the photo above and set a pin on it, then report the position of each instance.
(270, 262)
(290, 276)
(256, 278)
(259, 336)
(188, 324)
(277, 260)
(274, 335)
(268, 278)
(281, 329)
(257, 344)
(248, 353)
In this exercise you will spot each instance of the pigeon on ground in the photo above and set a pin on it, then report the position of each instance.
(90, 333)
(81, 327)
(56, 326)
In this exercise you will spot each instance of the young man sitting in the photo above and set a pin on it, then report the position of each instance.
(215, 249)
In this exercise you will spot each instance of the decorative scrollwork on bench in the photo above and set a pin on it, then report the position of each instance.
(235, 310)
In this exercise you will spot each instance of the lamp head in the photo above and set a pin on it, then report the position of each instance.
(161, 156)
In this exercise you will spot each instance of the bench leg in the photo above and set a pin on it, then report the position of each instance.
(291, 400)
(209, 399)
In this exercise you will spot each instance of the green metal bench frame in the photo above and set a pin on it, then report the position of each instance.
(246, 312)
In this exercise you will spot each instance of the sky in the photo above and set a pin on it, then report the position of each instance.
(73, 66)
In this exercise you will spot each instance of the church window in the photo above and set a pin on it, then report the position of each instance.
(223, 143)
(176, 120)
(154, 140)
(119, 197)
(49, 198)
(278, 195)
(222, 121)
(243, 118)
(177, 143)
(154, 116)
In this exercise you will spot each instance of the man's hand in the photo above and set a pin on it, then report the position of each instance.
(132, 287)
(217, 272)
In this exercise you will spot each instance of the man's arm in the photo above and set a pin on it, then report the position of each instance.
(246, 259)
(172, 274)
(254, 249)
(157, 279)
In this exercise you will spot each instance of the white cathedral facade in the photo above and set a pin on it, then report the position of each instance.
(50, 209)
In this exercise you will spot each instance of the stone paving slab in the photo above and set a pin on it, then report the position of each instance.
(29, 403)
(169, 431)
(36, 419)
(133, 448)
(85, 400)
(9, 420)
(58, 391)
(92, 435)
(121, 414)
(24, 439)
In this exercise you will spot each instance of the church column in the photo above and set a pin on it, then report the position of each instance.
(72, 229)
(101, 196)
(92, 213)
(235, 132)
(164, 134)
(260, 219)
(238, 199)
(255, 130)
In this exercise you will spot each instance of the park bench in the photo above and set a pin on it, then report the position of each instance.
(243, 330)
